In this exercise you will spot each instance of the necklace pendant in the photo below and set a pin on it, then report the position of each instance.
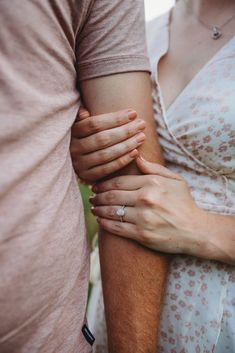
(216, 33)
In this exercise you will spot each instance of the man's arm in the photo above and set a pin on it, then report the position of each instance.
(133, 277)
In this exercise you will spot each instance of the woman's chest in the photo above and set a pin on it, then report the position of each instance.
(185, 58)
(201, 120)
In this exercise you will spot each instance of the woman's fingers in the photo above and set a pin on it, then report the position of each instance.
(126, 230)
(156, 174)
(114, 197)
(96, 173)
(147, 167)
(111, 153)
(94, 124)
(109, 138)
(126, 182)
(110, 212)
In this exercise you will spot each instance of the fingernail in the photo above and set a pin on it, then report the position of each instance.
(140, 137)
(141, 124)
(131, 115)
(134, 154)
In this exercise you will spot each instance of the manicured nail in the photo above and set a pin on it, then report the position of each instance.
(140, 137)
(131, 115)
(141, 124)
(134, 154)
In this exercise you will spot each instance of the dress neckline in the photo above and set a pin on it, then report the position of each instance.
(204, 66)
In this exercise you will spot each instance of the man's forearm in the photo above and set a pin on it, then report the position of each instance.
(133, 276)
(133, 287)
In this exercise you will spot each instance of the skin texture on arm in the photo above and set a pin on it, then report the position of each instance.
(133, 276)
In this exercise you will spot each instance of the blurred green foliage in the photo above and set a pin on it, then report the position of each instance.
(90, 219)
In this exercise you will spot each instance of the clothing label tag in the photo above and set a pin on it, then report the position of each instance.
(88, 335)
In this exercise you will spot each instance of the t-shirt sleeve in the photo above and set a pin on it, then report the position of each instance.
(113, 39)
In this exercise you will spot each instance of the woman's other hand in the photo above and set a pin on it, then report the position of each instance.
(160, 212)
(103, 144)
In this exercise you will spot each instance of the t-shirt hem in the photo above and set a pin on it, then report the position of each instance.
(109, 66)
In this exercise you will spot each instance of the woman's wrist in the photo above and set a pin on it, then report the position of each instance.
(202, 242)
(206, 234)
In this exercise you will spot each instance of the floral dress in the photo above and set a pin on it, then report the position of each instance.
(197, 135)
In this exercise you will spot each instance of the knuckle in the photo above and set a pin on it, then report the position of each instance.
(111, 212)
(93, 125)
(116, 184)
(102, 139)
(146, 198)
(110, 196)
(129, 131)
(103, 155)
(120, 163)
(117, 227)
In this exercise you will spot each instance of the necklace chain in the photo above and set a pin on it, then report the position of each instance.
(216, 30)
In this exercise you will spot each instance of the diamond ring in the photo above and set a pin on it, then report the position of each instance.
(121, 213)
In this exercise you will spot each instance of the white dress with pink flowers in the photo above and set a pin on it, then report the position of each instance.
(197, 135)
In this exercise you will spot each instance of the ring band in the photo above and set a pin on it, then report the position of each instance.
(121, 213)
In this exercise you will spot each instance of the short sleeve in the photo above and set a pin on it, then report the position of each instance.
(113, 39)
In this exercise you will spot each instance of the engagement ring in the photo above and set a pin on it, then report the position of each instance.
(121, 213)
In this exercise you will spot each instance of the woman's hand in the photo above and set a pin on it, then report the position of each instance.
(159, 210)
(103, 144)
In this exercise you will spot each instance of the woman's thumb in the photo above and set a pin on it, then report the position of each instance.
(147, 167)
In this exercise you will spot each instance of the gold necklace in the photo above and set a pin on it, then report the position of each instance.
(216, 31)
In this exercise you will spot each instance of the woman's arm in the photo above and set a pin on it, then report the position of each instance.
(162, 215)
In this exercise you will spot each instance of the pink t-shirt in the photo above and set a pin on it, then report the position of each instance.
(45, 46)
